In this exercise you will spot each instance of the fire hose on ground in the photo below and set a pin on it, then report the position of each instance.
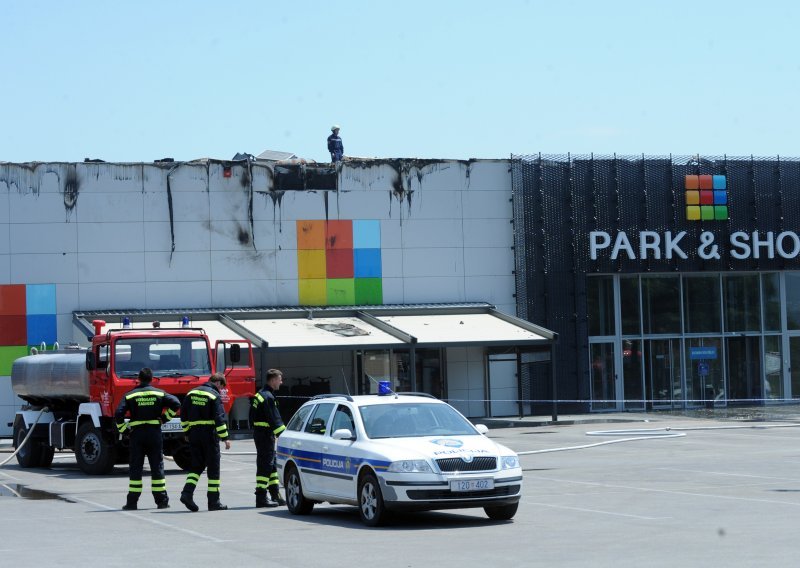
(27, 437)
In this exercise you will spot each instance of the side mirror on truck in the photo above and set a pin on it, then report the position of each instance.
(236, 353)
(91, 362)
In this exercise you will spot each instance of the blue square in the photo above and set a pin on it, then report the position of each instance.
(366, 234)
(40, 299)
(720, 198)
(367, 263)
(42, 327)
(720, 182)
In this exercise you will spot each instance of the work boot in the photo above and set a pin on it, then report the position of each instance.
(214, 504)
(163, 503)
(275, 493)
(186, 499)
(131, 504)
(262, 500)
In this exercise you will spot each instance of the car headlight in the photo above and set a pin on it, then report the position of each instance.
(410, 466)
(509, 462)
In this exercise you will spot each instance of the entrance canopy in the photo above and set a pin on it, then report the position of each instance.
(344, 328)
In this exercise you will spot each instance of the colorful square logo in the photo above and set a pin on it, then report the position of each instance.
(339, 262)
(27, 319)
(706, 197)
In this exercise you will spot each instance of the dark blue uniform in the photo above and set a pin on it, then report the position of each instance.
(203, 419)
(267, 425)
(145, 405)
(335, 147)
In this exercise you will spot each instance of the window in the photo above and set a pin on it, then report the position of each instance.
(343, 419)
(600, 304)
(296, 423)
(318, 423)
(742, 306)
(770, 286)
(661, 304)
(701, 306)
(629, 305)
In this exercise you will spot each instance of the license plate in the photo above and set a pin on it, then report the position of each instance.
(460, 485)
(172, 426)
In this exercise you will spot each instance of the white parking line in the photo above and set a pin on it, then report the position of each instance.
(598, 511)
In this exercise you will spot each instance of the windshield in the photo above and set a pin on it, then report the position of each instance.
(166, 356)
(414, 419)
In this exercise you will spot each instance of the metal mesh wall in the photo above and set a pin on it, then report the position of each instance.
(559, 200)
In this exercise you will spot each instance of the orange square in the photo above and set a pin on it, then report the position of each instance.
(12, 300)
(706, 182)
(692, 182)
(339, 235)
(311, 235)
(692, 198)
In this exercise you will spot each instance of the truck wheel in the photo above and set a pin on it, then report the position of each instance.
(183, 457)
(94, 455)
(46, 454)
(28, 455)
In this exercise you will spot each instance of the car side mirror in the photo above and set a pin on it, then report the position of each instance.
(343, 434)
(482, 428)
(91, 362)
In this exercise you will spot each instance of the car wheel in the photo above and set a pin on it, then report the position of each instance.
(94, 455)
(296, 502)
(502, 512)
(370, 501)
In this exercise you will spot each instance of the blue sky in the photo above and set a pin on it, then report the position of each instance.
(137, 81)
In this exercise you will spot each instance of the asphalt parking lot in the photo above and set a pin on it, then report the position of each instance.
(706, 492)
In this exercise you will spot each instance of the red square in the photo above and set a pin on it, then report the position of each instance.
(706, 198)
(339, 235)
(339, 263)
(12, 302)
(706, 182)
(692, 182)
(13, 330)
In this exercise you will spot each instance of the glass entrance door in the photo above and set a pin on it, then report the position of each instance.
(604, 377)
(794, 365)
(744, 369)
(664, 373)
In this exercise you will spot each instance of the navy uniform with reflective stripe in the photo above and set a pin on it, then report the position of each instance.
(267, 425)
(203, 419)
(145, 405)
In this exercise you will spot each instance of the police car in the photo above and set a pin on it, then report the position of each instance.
(394, 453)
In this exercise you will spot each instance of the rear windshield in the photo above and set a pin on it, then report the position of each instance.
(414, 419)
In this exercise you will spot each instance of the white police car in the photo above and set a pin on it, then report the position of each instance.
(394, 453)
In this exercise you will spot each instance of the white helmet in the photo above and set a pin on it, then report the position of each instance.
(335, 127)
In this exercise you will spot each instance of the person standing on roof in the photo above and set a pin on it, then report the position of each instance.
(203, 419)
(145, 405)
(335, 146)
(267, 426)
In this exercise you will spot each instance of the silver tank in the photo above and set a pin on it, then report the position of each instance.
(51, 375)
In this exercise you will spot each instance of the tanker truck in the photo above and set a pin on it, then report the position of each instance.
(72, 393)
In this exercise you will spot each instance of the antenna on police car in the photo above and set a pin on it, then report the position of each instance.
(346, 386)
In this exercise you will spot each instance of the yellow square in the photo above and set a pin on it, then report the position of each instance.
(692, 198)
(693, 212)
(311, 264)
(312, 292)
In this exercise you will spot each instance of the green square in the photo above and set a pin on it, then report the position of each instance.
(8, 354)
(369, 291)
(721, 212)
(707, 212)
(341, 292)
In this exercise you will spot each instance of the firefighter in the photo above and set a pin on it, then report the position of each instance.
(335, 145)
(145, 404)
(267, 426)
(203, 419)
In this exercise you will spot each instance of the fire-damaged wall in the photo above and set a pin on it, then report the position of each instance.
(214, 233)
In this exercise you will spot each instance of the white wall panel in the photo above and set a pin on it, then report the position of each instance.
(178, 294)
(41, 208)
(101, 296)
(436, 205)
(231, 236)
(489, 175)
(242, 265)
(286, 293)
(5, 269)
(110, 207)
(391, 234)
(108, 177)
(286, 264)
(244, 293)
(286, 235)
(43, 268)
(391, 263)
(488, 233)
(438, 289)
(179, 267)
(111, 268)
(361, 204)
(487, 205)
(43, 237)
(427, 233)
(113, 238)
(186, 206)
(393, 291)
(433, 262)
(189, 236)
(439, 176)
(67, 298)
(229, 206)
(492, 289)
(302, 205)
(479, 261)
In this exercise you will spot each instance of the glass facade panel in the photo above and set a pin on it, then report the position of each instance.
(604, 391)
(632, 374)
(664, 372)
(794, 365)
(600, 304)
(792, 281)
(771, 295)
(744, 368)
(705, 378)
(773, 367)
(629, 305)
(742, 306)
(661, 304)
(701, 307)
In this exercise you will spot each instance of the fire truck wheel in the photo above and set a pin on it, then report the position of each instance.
(183, 457)
(29, 455)
(94, 455)
(46, 454)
